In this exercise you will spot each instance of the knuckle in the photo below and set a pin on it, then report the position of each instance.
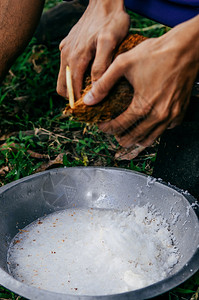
(126, 143)
(138, 133)
(121, 62)
(108, 127)
(125, 20)
(129, 113)
(97, 71)
(72, 57)
(77, 58)
(161, 116)
(107, 38)
(60, 90)
(64, 54)
(61, 45)
(141, 109)
(145, 143)
(99, 88)
(94, 70)
(145, 110)
(95, 75)
(176, 111)
(122, 144)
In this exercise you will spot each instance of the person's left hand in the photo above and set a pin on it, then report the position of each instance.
(162, 72)
(94, 38)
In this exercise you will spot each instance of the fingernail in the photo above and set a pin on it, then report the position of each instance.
(88, 98)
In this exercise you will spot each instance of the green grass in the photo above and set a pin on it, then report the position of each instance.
(33, 137)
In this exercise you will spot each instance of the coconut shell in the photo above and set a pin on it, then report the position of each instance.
(117, 100)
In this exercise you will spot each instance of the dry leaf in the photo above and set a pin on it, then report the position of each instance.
(4, 170)
(16, 147)
(52, 163)
(130, 153)
(37, 155)
(21, 98)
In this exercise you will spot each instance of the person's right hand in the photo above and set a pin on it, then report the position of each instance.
(102, 27)
(162, 72)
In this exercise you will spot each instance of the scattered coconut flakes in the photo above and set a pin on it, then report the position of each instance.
(94, 251)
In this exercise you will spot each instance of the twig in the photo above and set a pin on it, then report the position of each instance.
(70, 87)
(195, 296)
(155, 26)
(130, 153)
(58, 135)
(16, 147)
(103, 155)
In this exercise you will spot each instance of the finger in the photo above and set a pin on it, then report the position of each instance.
(174, 124)
(78, 68)
(128, 140)
(138, 110)
(179, 111)
(104, 54)
(177, 121)
(61, 81)
(102, 86)
(145, 133)
(139, 132)
(150, 128)
(156, 118)
(148, 141)
(78, 65)
(119, 124)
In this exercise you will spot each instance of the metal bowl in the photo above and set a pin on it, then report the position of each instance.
(25, 200)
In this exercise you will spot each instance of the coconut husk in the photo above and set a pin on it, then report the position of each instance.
(117, 100)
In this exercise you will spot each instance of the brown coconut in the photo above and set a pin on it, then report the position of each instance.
(117, 100)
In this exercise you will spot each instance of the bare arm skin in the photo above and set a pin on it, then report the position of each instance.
(18, 21)
(162, 71)
(102, 27)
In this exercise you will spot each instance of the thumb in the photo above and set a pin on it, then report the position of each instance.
(101, 87)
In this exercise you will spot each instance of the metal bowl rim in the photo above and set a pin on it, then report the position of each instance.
(145, 293)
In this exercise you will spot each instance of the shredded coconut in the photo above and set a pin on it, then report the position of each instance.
(194, 205)
(150, 181)
(94, 251)
(175, 218)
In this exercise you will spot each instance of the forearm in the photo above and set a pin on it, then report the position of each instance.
(18, 21)
(191, 30)
(109, 5)
(185, 36)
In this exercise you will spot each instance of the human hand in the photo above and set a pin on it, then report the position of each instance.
(162, 72)
(102, 27)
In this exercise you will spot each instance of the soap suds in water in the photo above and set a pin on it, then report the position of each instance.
(94, 251)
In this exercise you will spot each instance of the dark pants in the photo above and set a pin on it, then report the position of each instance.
(178, 154)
